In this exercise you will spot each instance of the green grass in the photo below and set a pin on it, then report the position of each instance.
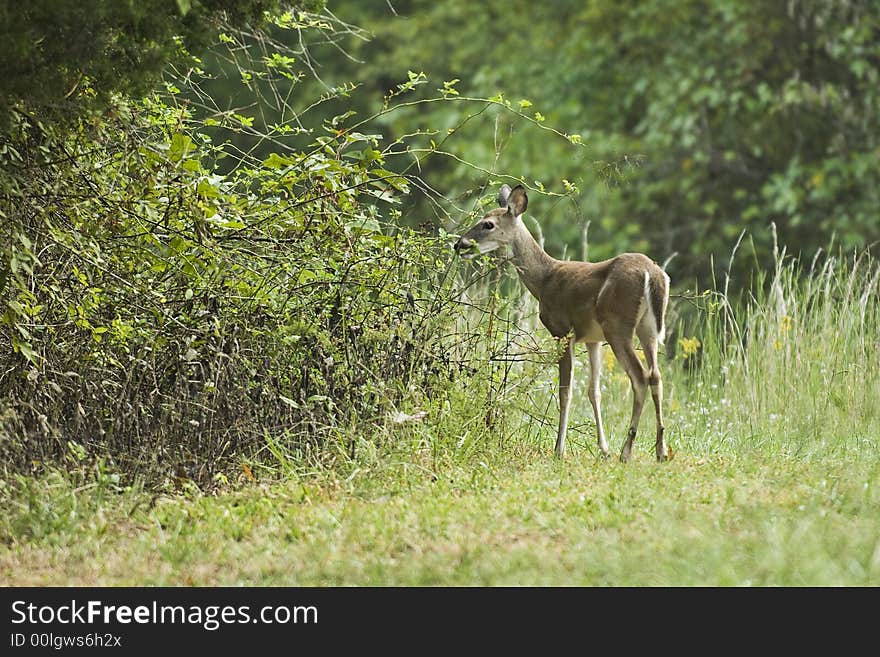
(775, 480)
(518, 517)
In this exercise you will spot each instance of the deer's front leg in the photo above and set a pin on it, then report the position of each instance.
(595, 350)
(566, 380)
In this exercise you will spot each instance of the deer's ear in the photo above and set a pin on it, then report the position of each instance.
(517, 201)
(503, 193)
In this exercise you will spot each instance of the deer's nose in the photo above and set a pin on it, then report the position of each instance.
(463, 243)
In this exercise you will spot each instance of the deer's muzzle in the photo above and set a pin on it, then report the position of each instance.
(464, 244)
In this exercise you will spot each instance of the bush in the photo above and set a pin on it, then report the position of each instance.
(166, 318)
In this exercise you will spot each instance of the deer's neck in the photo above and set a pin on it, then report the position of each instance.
(531, 261)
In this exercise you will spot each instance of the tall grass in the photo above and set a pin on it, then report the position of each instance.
(790, 366)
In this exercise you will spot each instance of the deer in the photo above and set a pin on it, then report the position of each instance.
(591, 302)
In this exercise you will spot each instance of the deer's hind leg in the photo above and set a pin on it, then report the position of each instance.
(626, 355)
(648, 338)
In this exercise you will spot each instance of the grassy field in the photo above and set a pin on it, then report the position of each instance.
(775, 481)
(517, 517)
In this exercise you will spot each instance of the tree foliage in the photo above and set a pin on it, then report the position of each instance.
(703, 118)
(65, 57)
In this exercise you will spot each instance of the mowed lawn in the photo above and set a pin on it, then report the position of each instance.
(513, 516)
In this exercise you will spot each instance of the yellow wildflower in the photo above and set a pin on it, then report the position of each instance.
(689, 347)
(785, 325)
(608, 357)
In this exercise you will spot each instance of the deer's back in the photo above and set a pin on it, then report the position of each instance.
(589, 297)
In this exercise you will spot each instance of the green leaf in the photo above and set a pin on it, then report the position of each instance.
(26, 350)
(181, 147)
(247, 121)
(276, 161)
(370, 225)
(288, 401)
(206, 190)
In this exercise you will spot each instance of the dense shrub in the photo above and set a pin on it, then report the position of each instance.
(167, 317)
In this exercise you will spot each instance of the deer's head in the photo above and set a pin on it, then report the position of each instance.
(498, 227)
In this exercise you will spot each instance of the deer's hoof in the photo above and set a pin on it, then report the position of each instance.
(665, 455)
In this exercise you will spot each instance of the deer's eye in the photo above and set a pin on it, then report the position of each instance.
(488, 225)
